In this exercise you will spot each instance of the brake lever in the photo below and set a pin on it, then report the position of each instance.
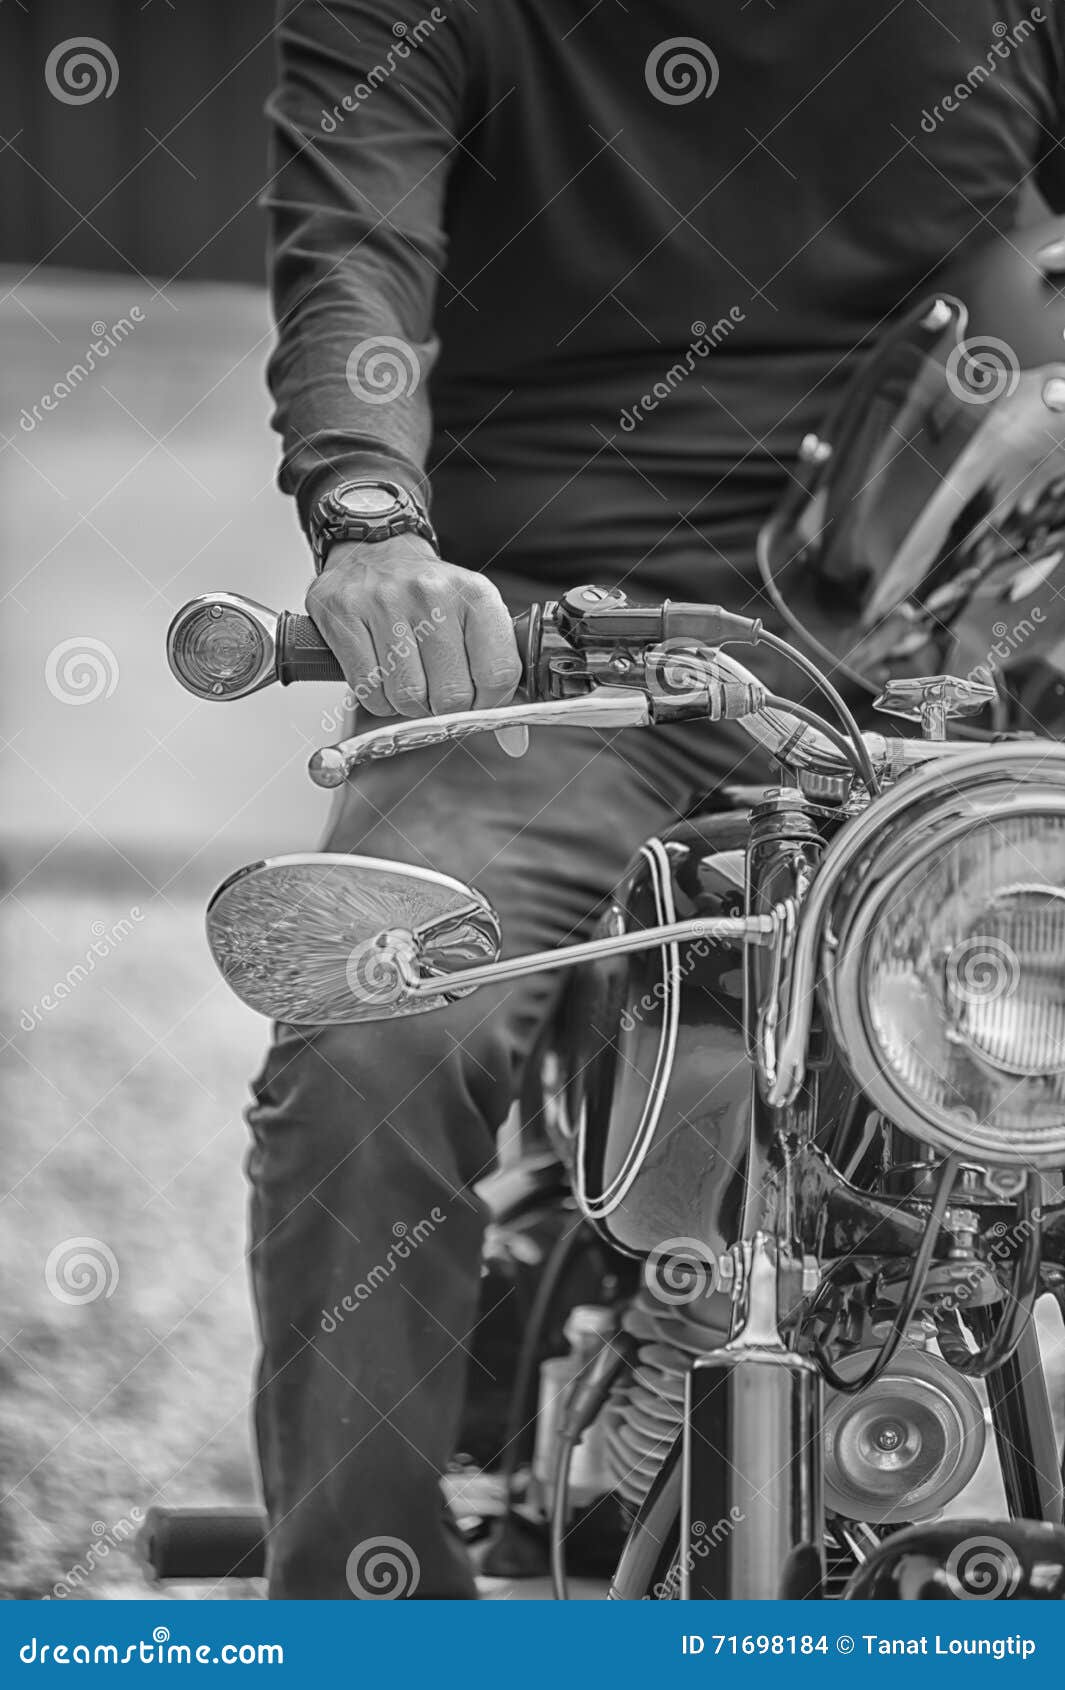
(607, 707)
(652, 693)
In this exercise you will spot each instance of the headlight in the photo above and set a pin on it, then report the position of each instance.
(945, 962)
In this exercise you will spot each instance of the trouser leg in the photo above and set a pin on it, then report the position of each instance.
(368, 1140)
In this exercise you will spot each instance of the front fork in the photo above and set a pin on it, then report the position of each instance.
(752, 1520)
(1024, 1429)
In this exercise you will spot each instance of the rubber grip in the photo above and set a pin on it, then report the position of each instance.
(204, 1543)
(302, 653)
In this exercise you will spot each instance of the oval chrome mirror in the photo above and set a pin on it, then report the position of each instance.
(323, 939)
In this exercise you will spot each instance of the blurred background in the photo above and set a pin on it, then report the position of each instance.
(129, 192)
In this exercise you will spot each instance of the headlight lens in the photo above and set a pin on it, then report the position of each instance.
(949, 983)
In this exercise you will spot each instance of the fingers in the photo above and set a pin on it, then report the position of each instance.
(436, 606)
(492, 650)
(351, 640)
(415, 636)
(380, 659)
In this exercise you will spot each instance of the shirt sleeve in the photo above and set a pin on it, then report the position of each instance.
(368, 111)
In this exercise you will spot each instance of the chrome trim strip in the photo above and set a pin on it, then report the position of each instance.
(596, 1208)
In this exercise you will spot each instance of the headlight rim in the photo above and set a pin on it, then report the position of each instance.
(851, 922)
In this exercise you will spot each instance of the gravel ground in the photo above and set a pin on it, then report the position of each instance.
(123, 1129)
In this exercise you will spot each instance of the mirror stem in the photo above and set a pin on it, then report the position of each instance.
(736, 930)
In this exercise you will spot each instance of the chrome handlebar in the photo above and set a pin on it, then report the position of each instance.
(589, 660)
(729, 691)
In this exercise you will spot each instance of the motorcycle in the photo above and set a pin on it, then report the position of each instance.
(822, 1108)
(794, 1178)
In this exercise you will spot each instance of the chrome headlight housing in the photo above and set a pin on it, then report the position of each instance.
(943, 956)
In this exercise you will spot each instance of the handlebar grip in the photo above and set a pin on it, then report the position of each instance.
(302, 653)
(204, 1543)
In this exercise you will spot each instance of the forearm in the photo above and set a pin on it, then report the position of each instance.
(356, 237)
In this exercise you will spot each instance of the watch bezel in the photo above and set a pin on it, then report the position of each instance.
(394, 496)
(332, 520)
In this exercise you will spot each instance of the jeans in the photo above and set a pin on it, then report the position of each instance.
(369, 1135)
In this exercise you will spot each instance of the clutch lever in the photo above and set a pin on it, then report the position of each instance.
(655, 691)
(606, 707)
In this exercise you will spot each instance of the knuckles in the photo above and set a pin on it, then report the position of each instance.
(390, 598)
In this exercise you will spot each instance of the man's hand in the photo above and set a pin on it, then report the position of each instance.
(415, 636)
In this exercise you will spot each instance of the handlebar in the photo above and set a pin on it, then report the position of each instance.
(590, 659)
(223, 646)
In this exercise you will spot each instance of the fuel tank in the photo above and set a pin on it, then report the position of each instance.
(648, 1083)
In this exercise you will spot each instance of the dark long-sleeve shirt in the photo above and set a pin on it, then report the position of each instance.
(587, 273)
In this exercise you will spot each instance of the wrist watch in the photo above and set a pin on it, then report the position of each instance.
(369, 511)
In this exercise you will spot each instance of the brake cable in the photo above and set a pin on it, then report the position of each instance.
(766, 537)
(813, 720)
(835, 698)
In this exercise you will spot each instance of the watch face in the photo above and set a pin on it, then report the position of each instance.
(366, 501)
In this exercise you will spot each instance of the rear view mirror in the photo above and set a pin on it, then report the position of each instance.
(323, 939)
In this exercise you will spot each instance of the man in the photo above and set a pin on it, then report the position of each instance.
(560, 287)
